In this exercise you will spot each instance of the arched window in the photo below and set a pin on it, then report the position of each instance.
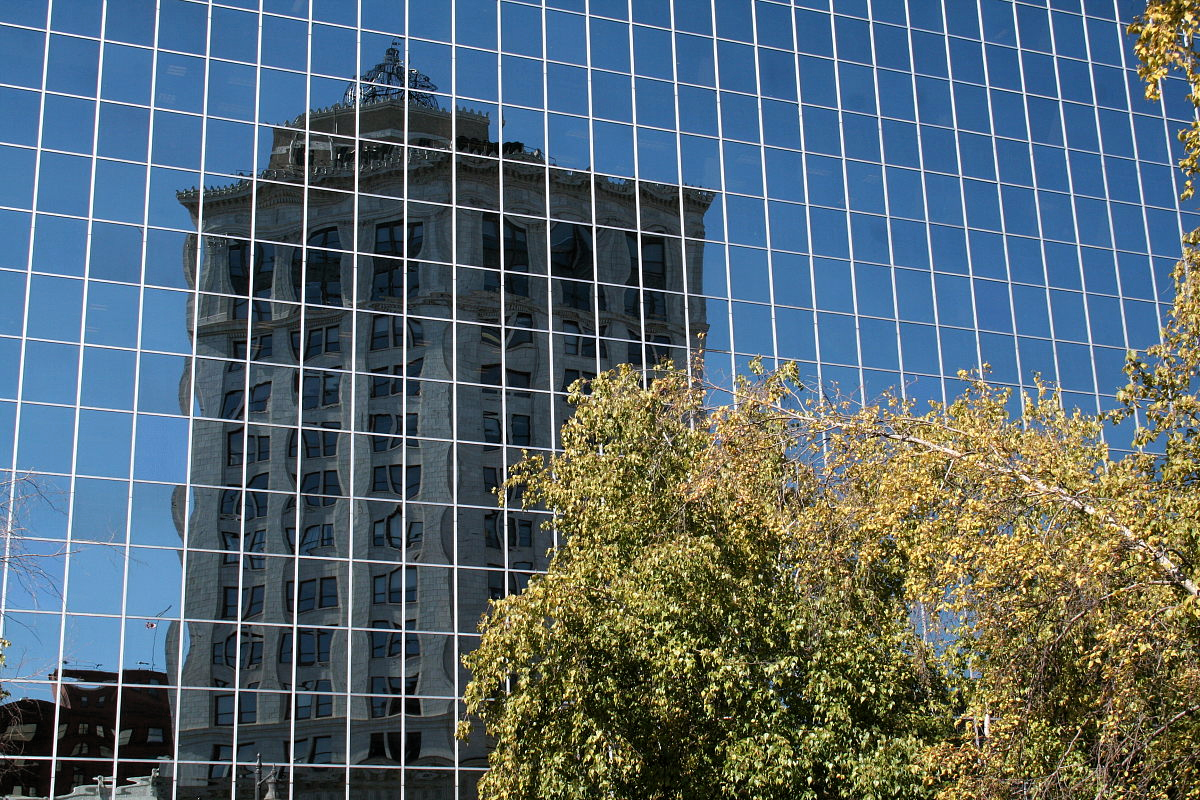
(571, 251)
(264, 269)
(238, 262)
(244, 280)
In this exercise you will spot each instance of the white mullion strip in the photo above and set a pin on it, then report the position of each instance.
(766, 205)
(1075, 226)
(933, 272)
(349, 396)
(502, 517)
(125, 545)
(808, 223)
(406, 341)
(637, 211)
(302, 313)
(684, 264)
(408, 300)
(455, 330)
(202, 205)
(962, 199)
(252, 257)
(11, 489)
(252, 254)
(902, 387)
(837, 90)
(190, 374)
(728, 298)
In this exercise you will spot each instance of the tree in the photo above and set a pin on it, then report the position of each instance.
(687, 640)
(789, 597)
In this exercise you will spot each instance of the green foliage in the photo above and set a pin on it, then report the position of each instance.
(783, 598)
(688, 641)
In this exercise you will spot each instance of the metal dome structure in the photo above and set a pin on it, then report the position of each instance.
(392, 79)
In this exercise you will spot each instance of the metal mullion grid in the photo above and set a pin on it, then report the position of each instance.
(728, 298)
(11, 489)
(941, 374)
(902, 386)
(1078, 246)
(837, 88)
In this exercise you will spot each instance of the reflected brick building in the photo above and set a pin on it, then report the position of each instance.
(87, 725)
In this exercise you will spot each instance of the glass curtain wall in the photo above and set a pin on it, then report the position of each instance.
(287, 284)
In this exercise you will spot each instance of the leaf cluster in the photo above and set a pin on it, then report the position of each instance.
(1166, 41)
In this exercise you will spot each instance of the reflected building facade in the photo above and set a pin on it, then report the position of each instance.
(375, 341)
(266, 415)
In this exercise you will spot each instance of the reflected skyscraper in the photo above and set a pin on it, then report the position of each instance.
(377, 334)
(266, 415)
